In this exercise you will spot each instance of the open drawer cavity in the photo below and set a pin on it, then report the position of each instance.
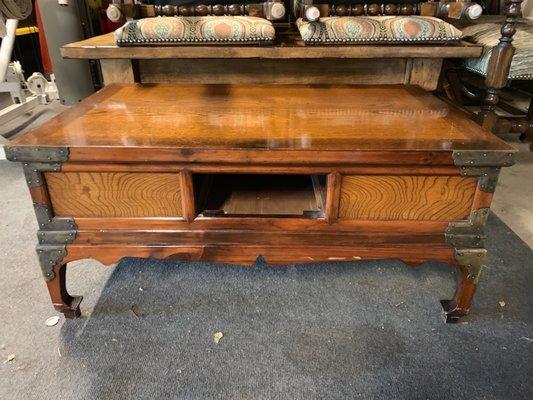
(260, 195)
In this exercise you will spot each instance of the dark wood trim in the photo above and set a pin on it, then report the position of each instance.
(284, 158)
(288, 46)
(246, 254)
(187, 195)
(266, 224)
(136, 70)
(270, 169)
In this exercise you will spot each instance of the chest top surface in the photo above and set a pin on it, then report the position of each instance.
(281, 117)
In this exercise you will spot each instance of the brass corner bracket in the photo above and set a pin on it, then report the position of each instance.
(36, 154)
(473, 260)
(469, 233)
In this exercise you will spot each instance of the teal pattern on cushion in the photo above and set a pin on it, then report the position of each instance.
(377, 29)
(488, 34)
(195, 30)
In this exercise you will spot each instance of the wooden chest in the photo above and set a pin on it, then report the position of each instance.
(295, 174)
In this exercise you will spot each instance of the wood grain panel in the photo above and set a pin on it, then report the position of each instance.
(425, 198)
(267, 71)
(424, 72)
(116, 71)
(193, 122)
(107, 194)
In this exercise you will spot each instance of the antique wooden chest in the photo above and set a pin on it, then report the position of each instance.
(295, 174)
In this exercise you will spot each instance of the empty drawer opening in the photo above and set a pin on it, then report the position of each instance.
(260, 195)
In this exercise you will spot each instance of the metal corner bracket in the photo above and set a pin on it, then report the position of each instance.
(33, 172)
(36, 154)
(483, 164)
(49, 257)
(53, 230)
(53, 236)
(484, 158)
(473, 260)
(469, 233)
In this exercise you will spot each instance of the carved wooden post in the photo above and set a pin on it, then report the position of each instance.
(499, 65)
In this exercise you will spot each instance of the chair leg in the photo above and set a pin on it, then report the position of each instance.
(489, 118)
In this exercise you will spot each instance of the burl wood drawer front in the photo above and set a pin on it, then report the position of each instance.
(113, 194)
(424, 198)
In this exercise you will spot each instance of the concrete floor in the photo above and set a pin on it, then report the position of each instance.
(513, 200)
(24, 302)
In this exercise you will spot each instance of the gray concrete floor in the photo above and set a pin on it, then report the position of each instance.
(513, 200)
(24, 302)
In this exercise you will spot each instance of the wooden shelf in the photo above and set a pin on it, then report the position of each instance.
(238, 194)
(288, 46)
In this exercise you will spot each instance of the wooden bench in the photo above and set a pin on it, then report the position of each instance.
(293, 173)
(288, 61)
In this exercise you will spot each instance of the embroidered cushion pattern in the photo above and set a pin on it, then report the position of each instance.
(190, 30)
(488, 34)
(380, 29)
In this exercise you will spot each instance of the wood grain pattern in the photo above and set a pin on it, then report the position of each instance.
(268, 71)
(288, 45)
(332, 196)
(406, 197)
(109, 254)
(187, 198)
(116, 71)
(102, 194)
(193, 122)
(424, 72)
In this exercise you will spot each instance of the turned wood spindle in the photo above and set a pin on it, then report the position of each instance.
(373, 9)
(201, 10)
(358, 9)
(218, 9)
(342, 10)
(499, 65)
(390, 9)
(407, 9)
(235, 9)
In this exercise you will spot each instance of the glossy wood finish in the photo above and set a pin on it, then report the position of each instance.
(429, 198)
(223, 123)
(288, 46)
(107, 194)
(139, 158)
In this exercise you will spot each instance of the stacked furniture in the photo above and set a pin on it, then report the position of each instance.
(294, 152)
(506, 62)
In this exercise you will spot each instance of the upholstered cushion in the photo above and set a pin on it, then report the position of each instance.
(488, 34)
(191, 30)
(378, 29)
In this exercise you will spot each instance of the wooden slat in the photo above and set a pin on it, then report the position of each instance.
(85, 194)
(109, 254)
(287, 46)
(388, 71)
(406, 197)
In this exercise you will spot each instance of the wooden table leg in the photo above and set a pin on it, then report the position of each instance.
(61, 299)
(470, 263)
